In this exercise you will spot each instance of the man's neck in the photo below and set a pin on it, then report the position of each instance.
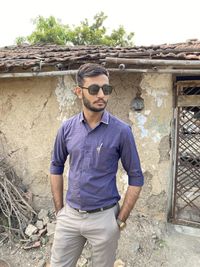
(92, 118)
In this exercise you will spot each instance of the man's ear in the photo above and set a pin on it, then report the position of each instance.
(78, 92)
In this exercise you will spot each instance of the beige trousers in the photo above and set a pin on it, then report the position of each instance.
(100, 229)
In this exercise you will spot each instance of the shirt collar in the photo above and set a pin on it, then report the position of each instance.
(81, 118)
(104, 119)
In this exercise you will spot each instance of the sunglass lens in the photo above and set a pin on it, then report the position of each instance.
(107, 89)
(93, 89)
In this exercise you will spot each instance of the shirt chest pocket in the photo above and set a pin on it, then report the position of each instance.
(104, 158)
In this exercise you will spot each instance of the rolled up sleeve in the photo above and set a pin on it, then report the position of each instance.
(59, 154)
(130, 158)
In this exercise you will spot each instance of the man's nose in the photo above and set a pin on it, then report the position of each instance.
(100, 93)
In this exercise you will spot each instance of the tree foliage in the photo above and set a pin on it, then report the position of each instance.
(51, 30)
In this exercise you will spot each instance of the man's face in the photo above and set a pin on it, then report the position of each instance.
(95, 103)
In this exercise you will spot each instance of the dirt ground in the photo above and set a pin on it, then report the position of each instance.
(173, 249)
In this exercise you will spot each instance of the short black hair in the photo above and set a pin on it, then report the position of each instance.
(90, 70)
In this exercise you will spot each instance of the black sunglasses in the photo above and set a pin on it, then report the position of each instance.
(93, 89)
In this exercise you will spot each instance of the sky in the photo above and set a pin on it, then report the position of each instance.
(152, 21)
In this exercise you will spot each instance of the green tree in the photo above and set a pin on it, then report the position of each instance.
(19, 40)
(51, 30)
(48, 30)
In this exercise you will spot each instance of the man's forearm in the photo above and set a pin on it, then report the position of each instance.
(57, 191)
(130, 199)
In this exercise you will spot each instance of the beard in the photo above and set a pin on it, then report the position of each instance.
(89, 106)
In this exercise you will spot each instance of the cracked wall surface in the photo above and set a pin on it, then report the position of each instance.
(27, 118)
(32, 109)
(152, 128)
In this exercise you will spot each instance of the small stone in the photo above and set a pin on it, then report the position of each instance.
(154, 236)
(44, 240)
(50, 228)
(42, 214)
(30, 230)
(135, 246)
(88, 254)
(82, 262)
(35, 237)
(46, 220)
(39, 224)
(119, 263)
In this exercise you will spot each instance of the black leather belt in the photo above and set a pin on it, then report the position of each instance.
(95, 210)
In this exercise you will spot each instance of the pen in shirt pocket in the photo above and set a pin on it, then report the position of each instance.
(99, 148)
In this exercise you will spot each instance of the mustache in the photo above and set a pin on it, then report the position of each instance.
(100, 101)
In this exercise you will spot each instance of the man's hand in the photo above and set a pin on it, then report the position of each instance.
(57, 191)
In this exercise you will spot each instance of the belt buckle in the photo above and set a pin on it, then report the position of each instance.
(82, 211)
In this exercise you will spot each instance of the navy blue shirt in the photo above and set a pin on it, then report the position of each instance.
(93, 157)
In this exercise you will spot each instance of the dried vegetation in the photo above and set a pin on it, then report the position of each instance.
(15, 211)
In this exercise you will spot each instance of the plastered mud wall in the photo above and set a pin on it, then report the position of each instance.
(152, 128)
(32, 109)
(28, 120)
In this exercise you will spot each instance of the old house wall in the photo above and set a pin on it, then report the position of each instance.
(152, 129)
(29, 117)
(31, 110)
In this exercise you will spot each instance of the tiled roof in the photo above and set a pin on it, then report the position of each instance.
(65, 57)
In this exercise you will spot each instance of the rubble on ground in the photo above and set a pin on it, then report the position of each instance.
(38, 233)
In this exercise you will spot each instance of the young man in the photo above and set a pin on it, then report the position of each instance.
(95, 141)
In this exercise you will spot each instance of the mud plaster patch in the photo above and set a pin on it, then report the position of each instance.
(164, 148)
(64, 93)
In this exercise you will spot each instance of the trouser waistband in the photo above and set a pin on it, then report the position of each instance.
(95, 210)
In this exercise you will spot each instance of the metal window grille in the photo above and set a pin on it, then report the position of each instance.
(186, 201)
